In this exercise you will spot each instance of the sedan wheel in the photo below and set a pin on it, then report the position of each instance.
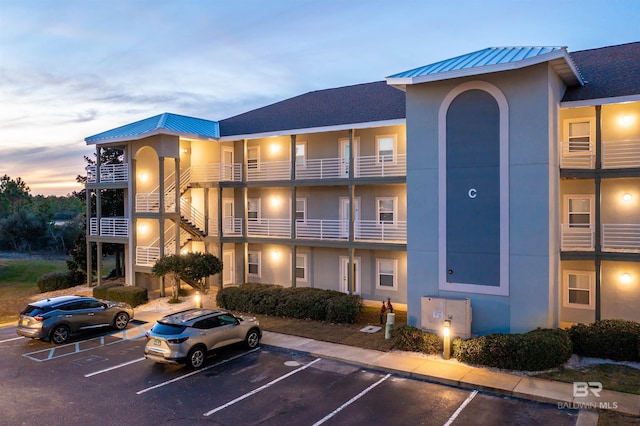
(121, 320)
(253, 339)
(60, 334)
(195, 358)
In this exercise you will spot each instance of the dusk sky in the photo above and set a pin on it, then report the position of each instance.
(70, 69)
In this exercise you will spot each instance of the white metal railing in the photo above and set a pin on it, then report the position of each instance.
(577, 155)
(372, 166)
(109, 227)
(372, 230)
(269, 228)
(321, 229)
(147, 255)
(577, 239)
(93, 226)
(216, 172)
(213, 226)
(231, 226)
(621, 237)
(148, 202)
(322, 168)
(621, 154)
(192, 214)
(269, 170)
(109, 173)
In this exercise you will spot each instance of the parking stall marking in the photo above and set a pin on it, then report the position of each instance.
(124, 364)
(85, 345)
(461, 407)
(351, 401)
(12, 339)
(261, 388)
(159, 385)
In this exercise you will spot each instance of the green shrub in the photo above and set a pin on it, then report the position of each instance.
(539, 349)
(60, 280)
(613, 339)
(134, 296)
(300, 302)
(100, 292)
(408, 338)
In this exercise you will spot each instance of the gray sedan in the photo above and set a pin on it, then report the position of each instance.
(56, 318)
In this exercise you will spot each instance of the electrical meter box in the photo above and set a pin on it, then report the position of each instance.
(436, 310)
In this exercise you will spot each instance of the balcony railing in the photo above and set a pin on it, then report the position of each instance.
(323, 168)
(147, 255)
(269, 170)
(373, 166)
(269, 228)
(577, 155)
(322, 229)
(621, 154)
(216, 172)
(110, 227)
(577, 239)
(621, 237)
(372, 230)
(231, 227)
(109, 173)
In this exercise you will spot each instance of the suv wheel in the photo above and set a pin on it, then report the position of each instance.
(195, 358)
(253, 339)
(60, 334)
(121, 320)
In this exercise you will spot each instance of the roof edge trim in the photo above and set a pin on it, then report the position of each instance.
(600, 101)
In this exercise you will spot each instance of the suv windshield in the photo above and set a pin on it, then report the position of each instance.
(168, 329)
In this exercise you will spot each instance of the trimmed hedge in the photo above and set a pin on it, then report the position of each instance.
(409, 338)
(540, 349)
(613, 339)
(60, 280)
(300, 302)
(134, 296)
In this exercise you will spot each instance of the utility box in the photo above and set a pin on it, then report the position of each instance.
(435, 310)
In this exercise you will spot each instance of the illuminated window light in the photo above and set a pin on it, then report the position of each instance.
(625, 278)
(627, 197)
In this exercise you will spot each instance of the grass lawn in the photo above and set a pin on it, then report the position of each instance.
(612, 376)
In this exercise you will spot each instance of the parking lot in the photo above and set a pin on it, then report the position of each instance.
(104, 379)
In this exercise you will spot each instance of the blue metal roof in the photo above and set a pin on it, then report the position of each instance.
(163, 123)
(491, 59)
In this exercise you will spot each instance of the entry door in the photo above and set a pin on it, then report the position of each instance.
(227, 164)
(227, 217)
(344, 274)
(228, 267)
(344, 156)
(344, 217)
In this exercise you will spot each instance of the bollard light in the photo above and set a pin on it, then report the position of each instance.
(447, 339)
(198, 300)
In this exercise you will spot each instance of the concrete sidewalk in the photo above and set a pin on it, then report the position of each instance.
(449, 372)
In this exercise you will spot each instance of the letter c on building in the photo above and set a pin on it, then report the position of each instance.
(473, 193)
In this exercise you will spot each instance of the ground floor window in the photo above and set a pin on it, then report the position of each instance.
(301, 267)
(254, 263)
(579, 289)
(387, 271)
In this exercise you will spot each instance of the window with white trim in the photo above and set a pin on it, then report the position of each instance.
(253, 158)
(579, 134)
(386, 210)
(301, 155)
(386, 148)
(301, 209)
(301, 267)
(386, 274)
(253, 209)
(579, 289)
(253, 262)
(579, 208)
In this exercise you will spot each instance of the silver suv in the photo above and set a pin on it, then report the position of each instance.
(56, 318)
(186, 337)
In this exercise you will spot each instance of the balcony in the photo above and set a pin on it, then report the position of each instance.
(109, 227)
(109, 173)
(616, 237)
(270, 228)
(232, 227)
(374, 231)
(147, 255)
(216, 172)
(374, 166)
(322, 229)
(577, 239)
(623, 154)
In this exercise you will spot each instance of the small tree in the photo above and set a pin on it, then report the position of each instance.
(193, 266)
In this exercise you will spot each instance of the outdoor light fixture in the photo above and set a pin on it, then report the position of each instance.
(275, 201)
(184, 251)
(142, 228)
(626, 119)
(275, 255)
(274, 148)
(626, 197)
(144, 177)
(447, 339)
(198, 300)
(625, 278)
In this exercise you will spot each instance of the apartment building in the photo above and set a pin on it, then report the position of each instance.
(509, 177)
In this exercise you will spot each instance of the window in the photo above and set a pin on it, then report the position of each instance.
(578, 289)
(386, 213)
(253, 262)
(386, 148)
(579, 132)
(386, 273)
(579, 211)
(253, 209)
(253, 158)
(301, 209)
(301, 267)
(301, 154)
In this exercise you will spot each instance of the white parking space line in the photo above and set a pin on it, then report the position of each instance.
(461, 407)
(261, 388)
(10, 340)
(124, 364)
(351, 401)
(159, 385)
